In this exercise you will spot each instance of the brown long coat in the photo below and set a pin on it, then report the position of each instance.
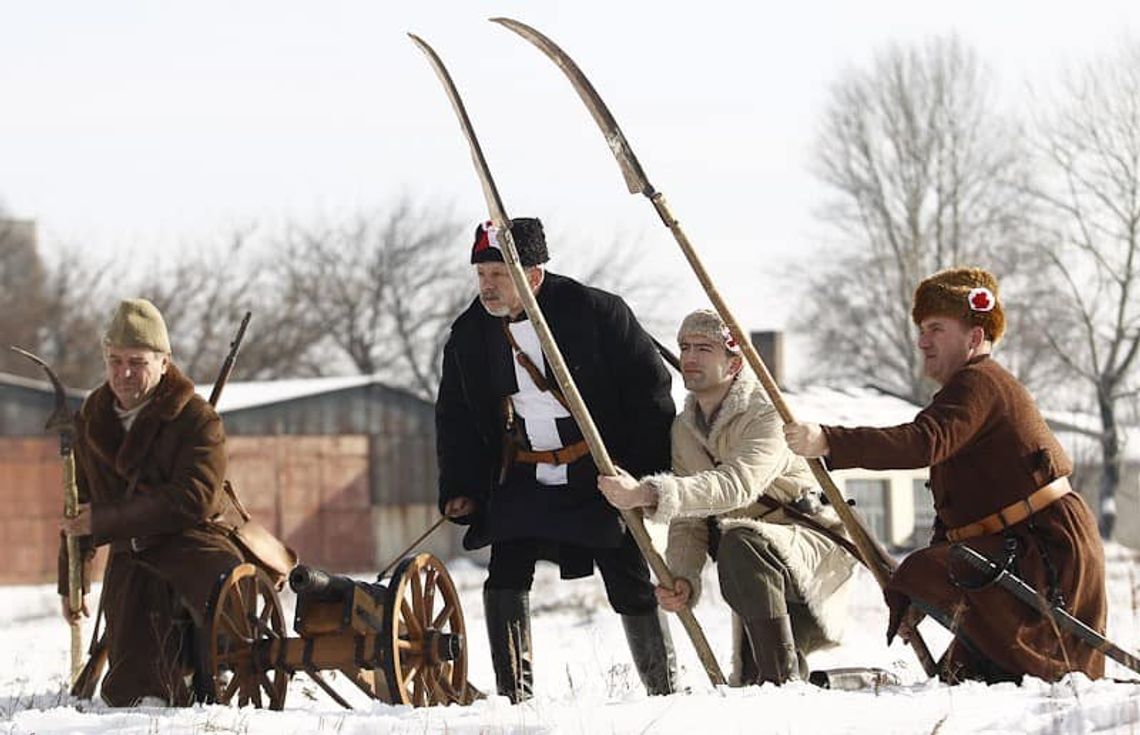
(988, 447)
(176, 448)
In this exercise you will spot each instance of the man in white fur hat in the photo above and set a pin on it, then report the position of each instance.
(738, 495)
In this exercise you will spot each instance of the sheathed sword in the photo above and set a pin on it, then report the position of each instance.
(1062, 618)
(61, 421)
(554, 357)
(872, 554)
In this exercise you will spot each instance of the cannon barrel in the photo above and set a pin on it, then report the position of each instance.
(310, 581)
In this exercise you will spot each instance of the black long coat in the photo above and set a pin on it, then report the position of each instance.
(625, 387)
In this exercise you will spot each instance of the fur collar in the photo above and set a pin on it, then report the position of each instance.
(745, 394)
(103, 432)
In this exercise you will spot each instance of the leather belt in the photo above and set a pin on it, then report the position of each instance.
(562, 455)
(1014, 512)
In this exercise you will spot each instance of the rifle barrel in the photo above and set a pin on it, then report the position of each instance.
(228, 364)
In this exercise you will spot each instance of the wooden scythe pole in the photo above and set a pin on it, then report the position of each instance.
(874, 557)
(62, 423)
(557, 363)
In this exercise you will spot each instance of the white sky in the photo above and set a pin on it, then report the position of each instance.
(131, 124)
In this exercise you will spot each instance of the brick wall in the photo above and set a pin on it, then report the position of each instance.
(311, 491)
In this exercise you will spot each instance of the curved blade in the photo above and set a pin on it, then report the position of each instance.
(558, 365)
(490, 191)
(60, 419)
(635, 178)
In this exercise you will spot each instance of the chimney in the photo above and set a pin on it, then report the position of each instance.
(770, 346)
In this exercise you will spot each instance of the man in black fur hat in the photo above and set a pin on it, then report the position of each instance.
(513, 464)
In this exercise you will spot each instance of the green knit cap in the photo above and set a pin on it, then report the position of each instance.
(138, 323)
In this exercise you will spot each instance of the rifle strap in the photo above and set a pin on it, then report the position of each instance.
(795, 514)
(97, 629)
(804, 519)
(531, 369)
(229, 488)
(132, 484)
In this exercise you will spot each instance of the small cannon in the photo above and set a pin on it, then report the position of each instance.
(402, 642)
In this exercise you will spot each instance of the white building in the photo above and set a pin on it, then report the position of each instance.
(896, 505)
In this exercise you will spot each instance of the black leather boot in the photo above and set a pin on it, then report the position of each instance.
(652, 649)
(773, 649)
(508, 630)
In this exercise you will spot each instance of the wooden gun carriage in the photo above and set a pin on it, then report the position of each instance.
(402, 642)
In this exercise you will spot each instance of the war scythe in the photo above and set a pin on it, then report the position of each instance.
(558, 364)
(62, 422)
(873, 556)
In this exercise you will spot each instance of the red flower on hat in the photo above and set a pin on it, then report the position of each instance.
(729, 341)
(486, 237)
(981, 299)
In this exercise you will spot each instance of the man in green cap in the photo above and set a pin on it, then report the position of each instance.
(150, 465)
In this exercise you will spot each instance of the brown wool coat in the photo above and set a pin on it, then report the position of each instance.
(987, 447)
(176, 448)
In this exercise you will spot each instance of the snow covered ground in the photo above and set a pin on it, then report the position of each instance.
(585, 682)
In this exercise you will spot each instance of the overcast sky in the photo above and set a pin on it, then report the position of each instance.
(134, 124)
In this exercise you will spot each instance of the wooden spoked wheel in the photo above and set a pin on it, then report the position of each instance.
(423, 625)
(246, 619)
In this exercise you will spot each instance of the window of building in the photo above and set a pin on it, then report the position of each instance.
(870, 498)
(923, 514)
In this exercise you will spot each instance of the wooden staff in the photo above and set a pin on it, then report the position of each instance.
(558, 365)
(62, 422)
(874, 557)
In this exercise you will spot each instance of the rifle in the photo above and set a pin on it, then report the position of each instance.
(83, 686)
(228, 364)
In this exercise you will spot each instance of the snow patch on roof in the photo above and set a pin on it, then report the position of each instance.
(248, 394)
(849, 406)
(40, 385)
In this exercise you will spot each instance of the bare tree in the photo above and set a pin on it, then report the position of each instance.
(203, 295)
(22, 282)
(383, 288)
(78, 306)
(618, 267)
(375, 294)
(920, 169)
(1090, 243)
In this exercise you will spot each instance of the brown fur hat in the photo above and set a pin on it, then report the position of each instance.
(969, 294)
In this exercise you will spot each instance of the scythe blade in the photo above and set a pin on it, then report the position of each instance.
(872, 554)
(554, 356)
